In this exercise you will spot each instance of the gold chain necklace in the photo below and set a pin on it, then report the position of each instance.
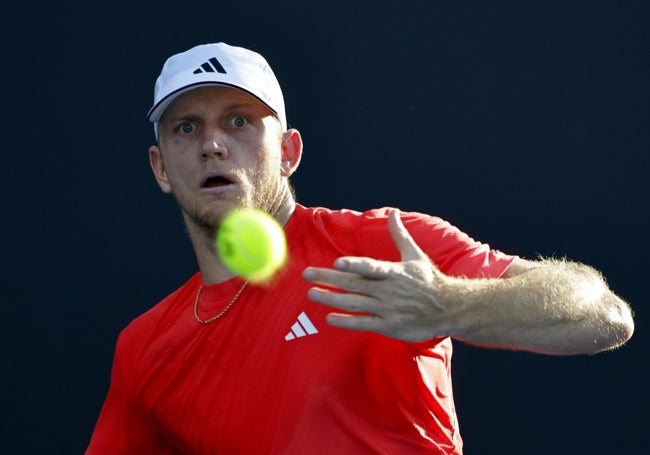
(224, 311)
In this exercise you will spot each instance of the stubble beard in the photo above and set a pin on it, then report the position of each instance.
(270, 195)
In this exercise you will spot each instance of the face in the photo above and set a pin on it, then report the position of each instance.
(220, 148)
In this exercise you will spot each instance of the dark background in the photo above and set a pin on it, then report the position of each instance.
(525, 123)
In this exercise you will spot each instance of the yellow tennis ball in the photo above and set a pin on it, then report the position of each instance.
(251, 243)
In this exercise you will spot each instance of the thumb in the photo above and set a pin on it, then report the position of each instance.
(405, 244)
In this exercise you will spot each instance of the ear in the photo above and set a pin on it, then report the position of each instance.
(291, 152)
(158, 168)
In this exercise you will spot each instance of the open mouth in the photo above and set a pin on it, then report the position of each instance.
(216, 181)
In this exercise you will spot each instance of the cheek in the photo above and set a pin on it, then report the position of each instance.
(274, 165)
(178, 173)
(269, 158)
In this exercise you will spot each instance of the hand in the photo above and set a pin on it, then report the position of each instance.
(401, 300)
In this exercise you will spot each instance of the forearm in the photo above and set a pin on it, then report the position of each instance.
(552, 307)
(557, 307)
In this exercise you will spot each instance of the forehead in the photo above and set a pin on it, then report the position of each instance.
(213, 98)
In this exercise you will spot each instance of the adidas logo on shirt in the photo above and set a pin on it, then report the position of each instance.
(301, 328)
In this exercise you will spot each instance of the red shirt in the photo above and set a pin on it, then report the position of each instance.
(271, 377)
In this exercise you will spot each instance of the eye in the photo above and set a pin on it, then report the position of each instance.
(186, 128)
(238, 122)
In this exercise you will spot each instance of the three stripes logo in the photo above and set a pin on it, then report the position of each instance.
(301, 328)
(210, 66)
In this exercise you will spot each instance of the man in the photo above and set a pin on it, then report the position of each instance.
(347, 350)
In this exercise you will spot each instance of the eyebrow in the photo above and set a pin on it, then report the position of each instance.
(229, 106)
(259, 106)
(182, 118)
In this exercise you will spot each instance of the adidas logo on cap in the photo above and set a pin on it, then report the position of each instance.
(210, 66)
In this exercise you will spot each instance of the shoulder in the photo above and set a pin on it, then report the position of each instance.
(520, 265)
(160, 316)
(371, 217)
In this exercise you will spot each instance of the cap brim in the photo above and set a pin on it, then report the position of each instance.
(156, 112)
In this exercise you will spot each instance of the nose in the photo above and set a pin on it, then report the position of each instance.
(213, 147)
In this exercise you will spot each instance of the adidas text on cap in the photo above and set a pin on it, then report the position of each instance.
(217, 64)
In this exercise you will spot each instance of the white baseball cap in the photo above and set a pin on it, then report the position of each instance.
(217, 64)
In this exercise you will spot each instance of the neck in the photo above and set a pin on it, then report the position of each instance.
(203, 242)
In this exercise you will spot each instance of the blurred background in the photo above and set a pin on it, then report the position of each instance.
(523, 123)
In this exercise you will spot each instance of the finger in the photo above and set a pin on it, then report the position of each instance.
(322, 275)
(363, 323)
(365, 267)
(355, 303)
(407, 247)
(342, 279)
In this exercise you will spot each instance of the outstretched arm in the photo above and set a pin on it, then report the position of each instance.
(547, 306)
